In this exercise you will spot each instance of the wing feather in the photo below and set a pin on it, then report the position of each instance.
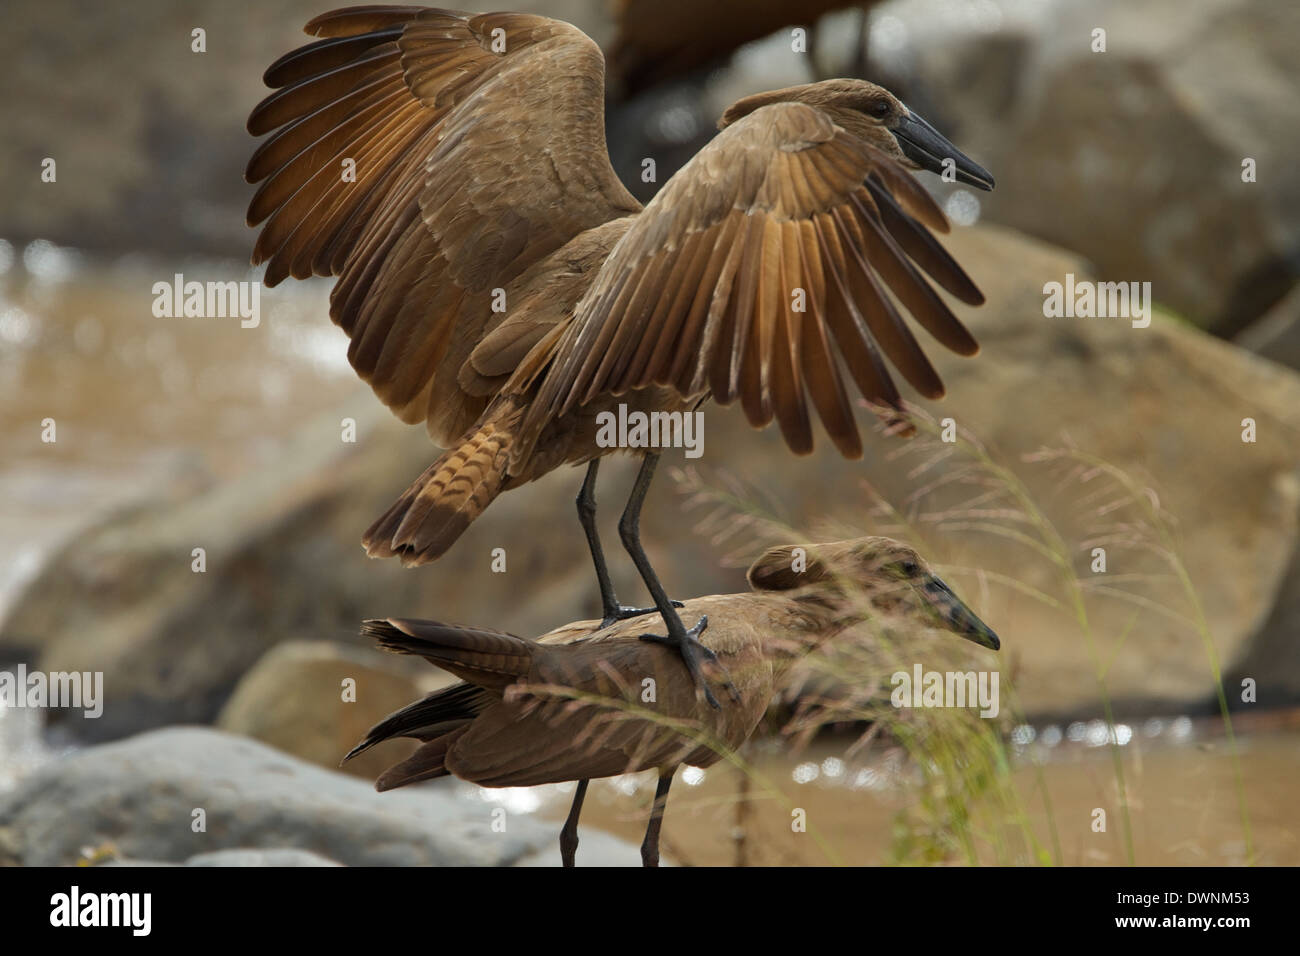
(699, 293)
(470, 165)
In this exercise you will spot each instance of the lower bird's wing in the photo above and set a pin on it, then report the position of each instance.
(590, 702)
(603, 707)
(428, 158)
(763, 265)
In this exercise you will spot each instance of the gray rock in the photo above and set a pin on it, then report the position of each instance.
(139, 796)
(1133, 157)
(133, 864)
(237, 857)
(245, 857)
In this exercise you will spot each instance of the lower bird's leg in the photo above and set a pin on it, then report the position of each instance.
(650, 845)
(610, 608)
(695, 655)
(569, 832)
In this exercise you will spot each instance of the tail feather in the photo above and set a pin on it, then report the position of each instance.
(427, 763)
(434, 511)
(487, 658)
(429, 718)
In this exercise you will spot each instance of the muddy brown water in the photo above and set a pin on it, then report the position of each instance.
(1182, 802)
(144, 403)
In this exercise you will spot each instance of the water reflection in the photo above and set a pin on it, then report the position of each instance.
(48, 263)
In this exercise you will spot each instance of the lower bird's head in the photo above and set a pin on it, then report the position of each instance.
(870, 577)
(876, 116)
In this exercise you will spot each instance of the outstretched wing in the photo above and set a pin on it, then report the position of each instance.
(763, 265)
(428, 157)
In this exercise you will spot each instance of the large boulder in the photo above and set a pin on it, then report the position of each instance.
(141, 796)
(154, 159)
(1163, 404)
(1133, 157)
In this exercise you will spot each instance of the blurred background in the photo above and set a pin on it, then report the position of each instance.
(1166, 157)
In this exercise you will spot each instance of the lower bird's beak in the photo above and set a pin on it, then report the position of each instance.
(953, 615)
(928, 148)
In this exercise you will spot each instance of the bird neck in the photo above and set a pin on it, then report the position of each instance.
(801, 620)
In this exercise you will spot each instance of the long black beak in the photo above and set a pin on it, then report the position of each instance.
(928, 148)
(953, 615)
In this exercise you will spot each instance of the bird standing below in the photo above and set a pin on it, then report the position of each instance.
(585, 715)
(500, 284)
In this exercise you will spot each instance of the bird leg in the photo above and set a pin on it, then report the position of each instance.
(696, 656)
(650, 845)
(610, 608)
(569, 832)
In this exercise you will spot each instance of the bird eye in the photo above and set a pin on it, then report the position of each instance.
(879, 109)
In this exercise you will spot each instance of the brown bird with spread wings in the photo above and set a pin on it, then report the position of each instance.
(444, 165)
(570, 705)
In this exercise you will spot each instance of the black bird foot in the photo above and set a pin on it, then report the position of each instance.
(626, 613)
(702, 664)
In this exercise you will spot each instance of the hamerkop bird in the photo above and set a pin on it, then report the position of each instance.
(586, 716)
(499, 283)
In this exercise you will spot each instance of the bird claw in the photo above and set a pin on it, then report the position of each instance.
(627, 613)
(702, 664)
